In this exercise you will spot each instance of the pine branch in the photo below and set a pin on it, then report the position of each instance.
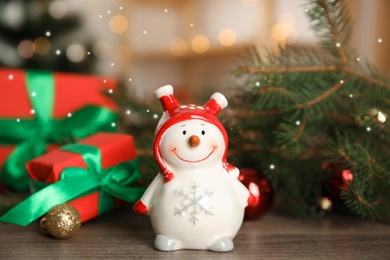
(300, 108)
(300, 130)
(321, 97)
(345, 69)
(335, 35)
(252, 70)
(368, 79)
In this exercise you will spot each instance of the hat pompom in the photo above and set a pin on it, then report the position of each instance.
(163, 91)
(216, 103)
(220, 99)
(166, 97)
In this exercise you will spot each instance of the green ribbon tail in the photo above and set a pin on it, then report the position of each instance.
(41, 202)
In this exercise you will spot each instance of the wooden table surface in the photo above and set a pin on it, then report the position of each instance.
(123, 234)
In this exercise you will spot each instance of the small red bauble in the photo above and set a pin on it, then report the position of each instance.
(258, 184)
(338, 181)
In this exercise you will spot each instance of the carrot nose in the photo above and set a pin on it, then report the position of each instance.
(194, 141)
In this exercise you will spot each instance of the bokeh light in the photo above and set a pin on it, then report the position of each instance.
(325, 203)
(58, 9)
(26, 49)
(227, 37)
(382, 117)
(118, 24)
(42, 45)
(200, 44)
(347, 175)
(283, 32)
(280, 32)
(75, 53)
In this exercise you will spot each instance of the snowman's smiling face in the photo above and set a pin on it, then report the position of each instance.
(192, 143)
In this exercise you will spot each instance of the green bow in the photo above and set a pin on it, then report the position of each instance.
(75, 182)
(31, 136)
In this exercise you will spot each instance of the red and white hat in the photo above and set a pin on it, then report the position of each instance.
(175, 113)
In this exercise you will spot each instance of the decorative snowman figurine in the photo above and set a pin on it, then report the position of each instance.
(196, 202)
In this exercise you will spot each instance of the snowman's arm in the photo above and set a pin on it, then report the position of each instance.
(143, 205)
(232, 170)
(244, 197)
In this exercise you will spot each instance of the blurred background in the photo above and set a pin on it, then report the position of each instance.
(190, 44)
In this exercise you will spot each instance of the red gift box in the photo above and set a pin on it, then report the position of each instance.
(70, 94)
(114, 149)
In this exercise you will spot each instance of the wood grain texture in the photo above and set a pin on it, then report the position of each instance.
(121, 234)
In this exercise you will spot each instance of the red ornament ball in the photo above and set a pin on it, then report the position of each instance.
(258, 184)
(339, 178)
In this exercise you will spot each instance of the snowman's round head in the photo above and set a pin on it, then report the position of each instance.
(189, 136)
(193, 144)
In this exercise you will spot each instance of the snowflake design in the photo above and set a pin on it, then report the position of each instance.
(194, 202)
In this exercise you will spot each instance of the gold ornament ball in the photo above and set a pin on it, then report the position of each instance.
(62, 221)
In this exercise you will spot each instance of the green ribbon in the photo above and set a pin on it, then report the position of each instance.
(76, 182)
(31, 136)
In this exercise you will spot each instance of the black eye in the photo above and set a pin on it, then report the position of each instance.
(203, 132)
(184, 132)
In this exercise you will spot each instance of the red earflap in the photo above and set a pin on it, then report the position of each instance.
(216, 103)
(166, 97)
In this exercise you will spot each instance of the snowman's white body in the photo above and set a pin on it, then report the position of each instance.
(197, 208)
(204, 203)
